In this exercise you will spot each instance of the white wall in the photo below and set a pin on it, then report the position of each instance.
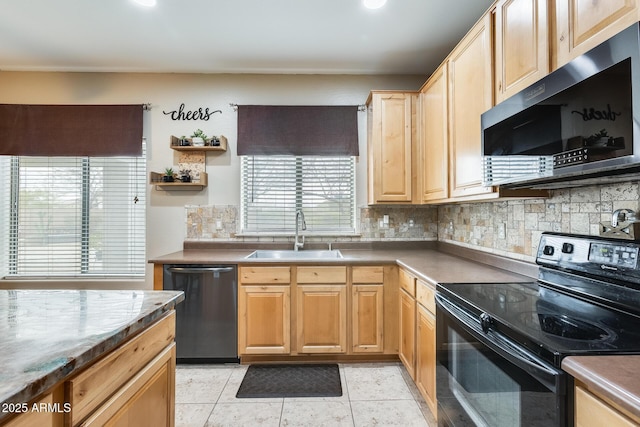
(165, 92)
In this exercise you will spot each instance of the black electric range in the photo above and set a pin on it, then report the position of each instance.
(499, 342)
(586, 299)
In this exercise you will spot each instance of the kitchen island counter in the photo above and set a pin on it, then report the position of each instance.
(47, 336)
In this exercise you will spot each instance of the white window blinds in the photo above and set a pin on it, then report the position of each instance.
(275, 187)
(73, 217)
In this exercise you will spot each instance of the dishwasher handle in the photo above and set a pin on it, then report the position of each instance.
(200, 269)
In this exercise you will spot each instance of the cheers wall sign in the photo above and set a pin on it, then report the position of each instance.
(199, 114)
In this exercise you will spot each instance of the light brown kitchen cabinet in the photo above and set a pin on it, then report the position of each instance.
(407, 332)
(591, 411)
(470, 95)
(433, 168)
(321, 309)
(581, 25)
(321, 318)
(391, 134)
(367, 311)
(521, 45)
(426, 344)
(264, 313)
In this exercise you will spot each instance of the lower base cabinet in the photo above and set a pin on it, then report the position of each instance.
(263, 319)
(407, 348)
(321, 322)
(591, 411)
(426, 356)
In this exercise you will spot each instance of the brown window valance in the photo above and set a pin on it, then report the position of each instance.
(71, 130)
(297, 130)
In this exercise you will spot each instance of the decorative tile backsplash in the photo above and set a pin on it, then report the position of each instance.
(510, 228)
(220, 222)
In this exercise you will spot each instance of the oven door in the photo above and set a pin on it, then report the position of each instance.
(485, 379)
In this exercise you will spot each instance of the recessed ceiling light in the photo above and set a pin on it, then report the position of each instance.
(374, 4)
(147, 3)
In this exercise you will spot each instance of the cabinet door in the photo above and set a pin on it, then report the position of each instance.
(390, 145)
(321, 318)
(148, 399)
(263, 320)
(584, 24)
(591, 411)
(521, 45)
(426, 357)
(470, 95)
(433, 169)
(407, 332)
(367, 318)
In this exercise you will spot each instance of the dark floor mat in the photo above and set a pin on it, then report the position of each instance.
(302, 380)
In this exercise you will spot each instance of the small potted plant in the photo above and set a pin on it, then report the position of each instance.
(198, 138)
(168, 175)
(185, 175)
(184, 141)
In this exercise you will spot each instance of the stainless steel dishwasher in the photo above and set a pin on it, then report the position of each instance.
(206, 321)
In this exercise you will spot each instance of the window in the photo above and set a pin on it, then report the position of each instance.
(72, 217)
(275, 187)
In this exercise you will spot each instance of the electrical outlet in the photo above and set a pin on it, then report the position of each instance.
(411, 223)
(385, 219)
(502, 231)
(218, 224)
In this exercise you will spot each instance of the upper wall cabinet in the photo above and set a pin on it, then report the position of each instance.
(581, 25)
(391, 132)
(521, 45)
(432, 170)
(470, 95)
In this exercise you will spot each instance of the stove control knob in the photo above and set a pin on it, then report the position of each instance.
(548, 250)
(485, 322)
(567, 248)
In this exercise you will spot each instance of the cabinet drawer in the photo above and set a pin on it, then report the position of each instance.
(368, 274)
(322, 274)
(407, 282)
(89, 389)
(265, 275)
(425, 294)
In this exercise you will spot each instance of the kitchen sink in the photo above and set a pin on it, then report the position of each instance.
(291, 254)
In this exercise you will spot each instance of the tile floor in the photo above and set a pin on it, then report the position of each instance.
(374, 394)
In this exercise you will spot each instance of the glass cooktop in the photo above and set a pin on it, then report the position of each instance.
(548, 322)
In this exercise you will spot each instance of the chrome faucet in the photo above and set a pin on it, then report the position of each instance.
(299, 216)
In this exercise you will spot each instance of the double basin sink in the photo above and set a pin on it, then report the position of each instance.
(291, 254)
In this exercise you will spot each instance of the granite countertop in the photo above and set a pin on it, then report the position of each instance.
(48, 335)
(614, 378)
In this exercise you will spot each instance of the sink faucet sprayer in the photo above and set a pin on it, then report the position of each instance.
(299, 216)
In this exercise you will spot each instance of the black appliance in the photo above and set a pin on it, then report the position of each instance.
(499, 346)
(206, 321)
(574, 126)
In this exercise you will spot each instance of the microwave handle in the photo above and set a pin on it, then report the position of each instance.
(506, 348)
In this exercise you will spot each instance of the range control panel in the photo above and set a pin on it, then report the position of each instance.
(614, 258)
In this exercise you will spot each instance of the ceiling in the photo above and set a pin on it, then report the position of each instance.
(233, 36)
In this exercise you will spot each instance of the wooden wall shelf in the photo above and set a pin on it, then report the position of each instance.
(155, 178)
(175, 145)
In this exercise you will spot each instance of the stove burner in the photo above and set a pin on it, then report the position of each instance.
(562, 326)
(500, 294)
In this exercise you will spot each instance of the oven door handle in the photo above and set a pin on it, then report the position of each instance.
(506, 348)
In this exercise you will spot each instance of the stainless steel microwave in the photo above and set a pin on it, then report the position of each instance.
(576, 126)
